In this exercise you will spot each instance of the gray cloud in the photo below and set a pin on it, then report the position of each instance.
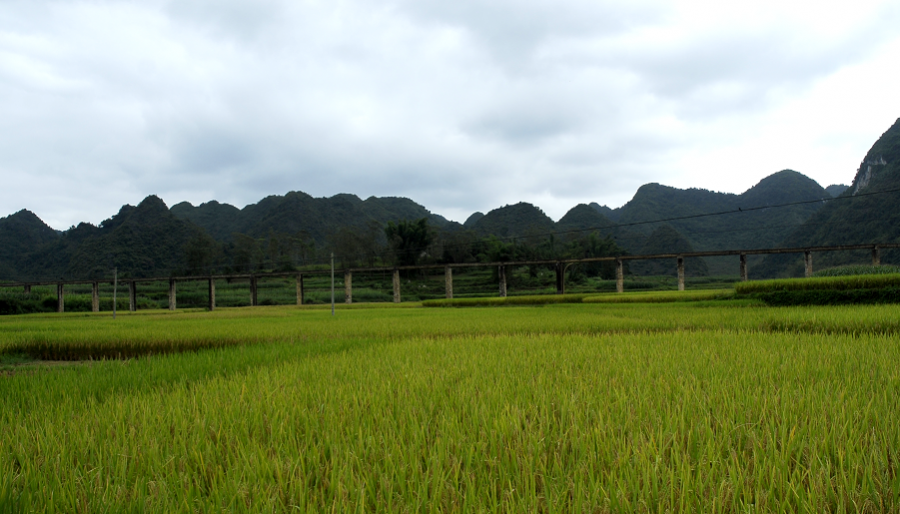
(513, 31)
(461, 106)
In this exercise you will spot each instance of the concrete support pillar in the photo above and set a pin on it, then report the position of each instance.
(807, 258)
(348, 287)
(171, 294)
(743, 267)
(680, 262)
(396, 281)
(876, 256)
(501, 274)
(560, 278)
(132, 296)
(95, 297)
(448, 282)
(212, 294)
(60, 298)
(620, 276)
(27, 289)
(253, 292)
(300, 289)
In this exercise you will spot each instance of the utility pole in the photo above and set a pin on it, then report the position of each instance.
(332, 283)
(115, 286)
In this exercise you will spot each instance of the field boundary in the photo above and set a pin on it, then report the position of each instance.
(560, 266)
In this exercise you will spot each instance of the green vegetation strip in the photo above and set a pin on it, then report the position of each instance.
(636, 297)
(565, 408)
(842, 271)
(820, 283)
(508, 300)
(663, 296)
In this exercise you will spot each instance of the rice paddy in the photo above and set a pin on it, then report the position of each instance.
(712, 406)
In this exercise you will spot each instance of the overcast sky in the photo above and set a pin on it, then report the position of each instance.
(461, 105)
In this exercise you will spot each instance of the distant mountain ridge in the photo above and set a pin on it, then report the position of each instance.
(138, 239)
(150, 238)
(21, 233)
(856, 217)
(299, 212)
(752, 229)
(835, 190)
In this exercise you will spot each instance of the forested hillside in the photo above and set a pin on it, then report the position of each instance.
(285, 232)
(744, 227)
(299, 213)
(21, 233)
(750, 229)
(140, 241)
(519, 220)
(868, 211)
(665, 239)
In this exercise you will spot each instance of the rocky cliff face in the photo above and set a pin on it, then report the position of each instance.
(880, 163)
(867, 212)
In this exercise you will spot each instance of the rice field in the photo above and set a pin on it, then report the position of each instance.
(711, 406)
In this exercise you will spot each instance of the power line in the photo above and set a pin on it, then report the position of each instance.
(614, 226)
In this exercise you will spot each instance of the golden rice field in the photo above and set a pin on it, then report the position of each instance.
(709, 406)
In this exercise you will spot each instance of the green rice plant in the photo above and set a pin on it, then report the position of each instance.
(86, 336)
(508, 300)
(20, 303)
(830, 297)
(662, 296)
(819, 283)
(571, 407)
(686, 421)
(857, 269)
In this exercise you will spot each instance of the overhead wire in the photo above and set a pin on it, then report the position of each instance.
(614, 226)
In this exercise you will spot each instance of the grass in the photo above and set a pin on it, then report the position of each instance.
(681, 407)
(842, 271)
(11, 361)
(544, 299)
(547, 299)
(834, 283)
(372, 287)
(663, 296)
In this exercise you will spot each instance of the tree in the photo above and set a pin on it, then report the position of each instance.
(346, 244)
(201, 254)
(590, 246)
(247, 253)
(409, 240)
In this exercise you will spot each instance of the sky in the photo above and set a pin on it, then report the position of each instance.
(460, 105)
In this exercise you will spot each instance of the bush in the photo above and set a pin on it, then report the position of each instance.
(14, 305)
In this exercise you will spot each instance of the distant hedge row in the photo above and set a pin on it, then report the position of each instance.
(835, 288)
(664, 296)
(508, 300)
(838, 283)
(641, 297)
(830, 297)
(857, 269)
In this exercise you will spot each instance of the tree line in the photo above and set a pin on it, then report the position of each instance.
(401, 243)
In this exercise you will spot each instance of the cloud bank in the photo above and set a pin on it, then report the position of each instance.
(461, 106)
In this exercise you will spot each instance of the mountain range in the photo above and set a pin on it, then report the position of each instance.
(784, 209)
